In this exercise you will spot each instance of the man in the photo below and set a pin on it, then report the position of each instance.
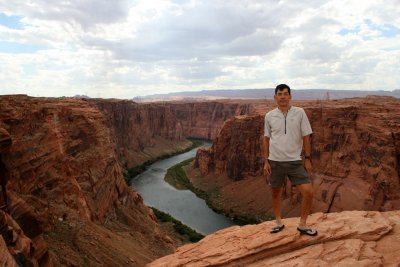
(287, 131)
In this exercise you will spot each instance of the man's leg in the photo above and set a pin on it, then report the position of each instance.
(277, 203)
(306, 191)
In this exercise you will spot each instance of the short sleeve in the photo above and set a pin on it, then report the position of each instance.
(305, 124)
(267, 127)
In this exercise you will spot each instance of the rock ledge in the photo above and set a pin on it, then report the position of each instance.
(349, 238)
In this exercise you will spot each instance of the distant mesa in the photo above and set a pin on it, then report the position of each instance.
(81, 96)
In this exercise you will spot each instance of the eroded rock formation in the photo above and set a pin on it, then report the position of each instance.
(16, 249)
(65, 177)
(236, 150)
(66, 190)
(140, 127)
(356, 159)
(356, 238)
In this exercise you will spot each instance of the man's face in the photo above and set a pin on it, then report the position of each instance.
(282, 98)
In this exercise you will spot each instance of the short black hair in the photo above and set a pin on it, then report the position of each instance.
(281, 87)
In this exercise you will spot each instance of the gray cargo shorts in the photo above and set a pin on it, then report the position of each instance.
(293, 169)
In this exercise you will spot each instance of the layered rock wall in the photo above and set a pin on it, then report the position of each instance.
(236, 150)
(64, 159)
(139, 126)
(62, 167)
(63, 152)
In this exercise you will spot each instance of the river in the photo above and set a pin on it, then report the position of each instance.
(183, 205)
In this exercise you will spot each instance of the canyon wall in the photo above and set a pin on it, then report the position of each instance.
(355, 155)
(140, 127)
(65, 179)
(68, 200)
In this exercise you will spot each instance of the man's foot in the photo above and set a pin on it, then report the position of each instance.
(277, 228)
(307, 231)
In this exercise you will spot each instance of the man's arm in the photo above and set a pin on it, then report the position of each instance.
(265, 154)
(307, 153)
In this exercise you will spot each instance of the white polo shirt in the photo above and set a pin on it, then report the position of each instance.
(286, 133)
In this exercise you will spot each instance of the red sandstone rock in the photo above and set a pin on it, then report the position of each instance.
(65, 174)
(6, 259)
(239, 158)
(65, 164)
(18, 244)
(138, 127)
(355, 238)
(5, 139)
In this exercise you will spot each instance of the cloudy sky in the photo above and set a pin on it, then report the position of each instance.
(128, 48)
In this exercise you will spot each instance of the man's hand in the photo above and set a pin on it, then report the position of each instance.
(308, 166)
(267, 168)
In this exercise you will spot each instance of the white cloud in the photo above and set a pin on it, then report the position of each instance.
(86, 13)
(127, 48)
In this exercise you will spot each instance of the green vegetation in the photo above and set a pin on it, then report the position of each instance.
(132, 172)
(246, 219)
(176, 176)
(179, 227)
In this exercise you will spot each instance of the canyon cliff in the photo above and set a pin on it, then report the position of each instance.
(69, 204)
(355, 155)
(66, 190)
(141, 129)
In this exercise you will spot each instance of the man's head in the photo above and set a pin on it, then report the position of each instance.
(282, 96)
(282, 87)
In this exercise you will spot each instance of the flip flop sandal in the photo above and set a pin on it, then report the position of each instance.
(277, 228)
(307, 231)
